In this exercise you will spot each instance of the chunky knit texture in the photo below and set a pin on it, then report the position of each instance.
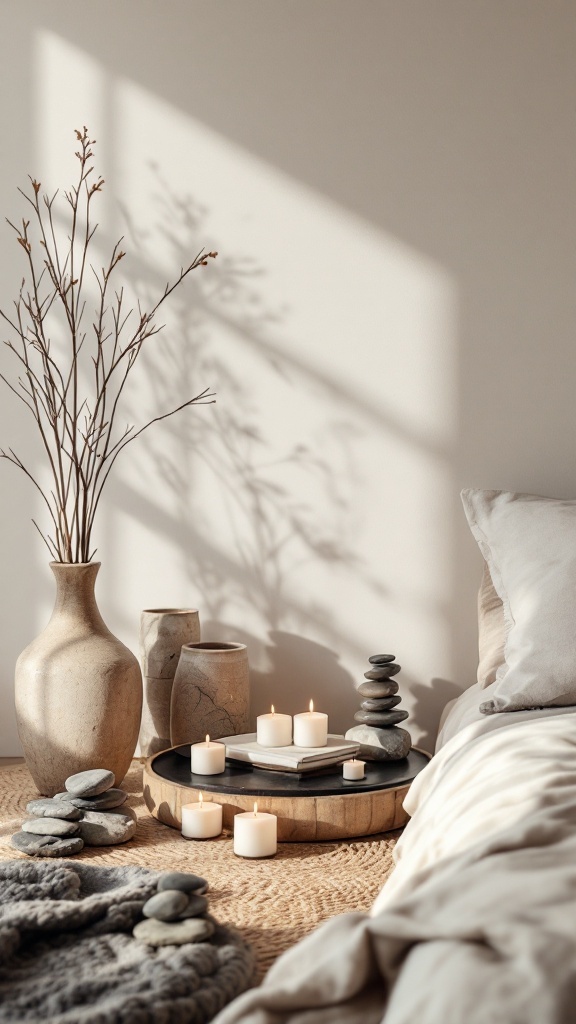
(67, 954)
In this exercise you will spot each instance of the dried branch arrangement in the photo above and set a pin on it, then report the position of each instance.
(76, 417)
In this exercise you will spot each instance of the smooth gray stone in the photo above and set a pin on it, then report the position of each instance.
(46, 846)
(100, 829)
(90, 783)
(382, 704)
(380, 718)
(183, 881)
(384, 672)
(46, 808)
(167, 905)
(174, 933)
(368, 688)
(103, 802)
(128, 812)
(51, 827)
(381, 659)
(197, 905)
(380, 744)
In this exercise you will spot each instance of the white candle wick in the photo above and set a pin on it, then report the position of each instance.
(311, 706)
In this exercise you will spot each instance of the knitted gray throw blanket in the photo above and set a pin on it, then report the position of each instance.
(67, 954)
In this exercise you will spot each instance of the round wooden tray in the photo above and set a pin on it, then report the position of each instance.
(308, 807)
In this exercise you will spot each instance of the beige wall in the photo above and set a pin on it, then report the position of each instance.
(392, 189)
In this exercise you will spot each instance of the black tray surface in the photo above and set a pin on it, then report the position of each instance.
(174, 766)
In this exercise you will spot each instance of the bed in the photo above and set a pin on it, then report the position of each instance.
(477, 923)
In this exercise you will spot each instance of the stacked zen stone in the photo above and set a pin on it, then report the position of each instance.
(177, 913)
(379, 737)
(88, 813)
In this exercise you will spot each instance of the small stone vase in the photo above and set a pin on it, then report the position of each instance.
(211, 692)
(163, 631)
(78, 689)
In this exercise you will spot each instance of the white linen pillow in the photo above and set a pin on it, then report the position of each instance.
(529, 544)
(491, 631)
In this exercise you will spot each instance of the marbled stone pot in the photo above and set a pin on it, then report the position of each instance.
(78, 689)
(163, 631)
(211, 692)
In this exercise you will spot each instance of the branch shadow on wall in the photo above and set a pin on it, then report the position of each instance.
(276, 509)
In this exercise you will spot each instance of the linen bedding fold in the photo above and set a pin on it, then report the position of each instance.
(477, 925)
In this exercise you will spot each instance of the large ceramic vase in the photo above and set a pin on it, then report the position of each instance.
(163, 631)
(78, 689)
(211, 692)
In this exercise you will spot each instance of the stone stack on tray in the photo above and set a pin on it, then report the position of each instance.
(379, 716)
(89, 812)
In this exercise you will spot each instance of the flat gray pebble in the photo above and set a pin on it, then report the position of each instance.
(369, 688)
(46, 808)
(380, 703)
(100, 829)
(173, 933)
(103, 802)
(381, 744)
(382, 671)
(51, 827)
(381, 659)
(90, 783)
(167, 905)
(197, 905)
(183, 881)
(381, 718)
(46, 846)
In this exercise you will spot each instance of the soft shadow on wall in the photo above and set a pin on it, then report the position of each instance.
(272, 530)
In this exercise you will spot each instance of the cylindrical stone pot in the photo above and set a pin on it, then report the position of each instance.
(163, 631)
(211, 692)
(78, 688)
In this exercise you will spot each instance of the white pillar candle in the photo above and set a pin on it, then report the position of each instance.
(208, 758)
(353, 769)
(311, 728)
(274, 730)
(202, 820)
(255, 834)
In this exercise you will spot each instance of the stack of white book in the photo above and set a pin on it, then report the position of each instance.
(289, 759)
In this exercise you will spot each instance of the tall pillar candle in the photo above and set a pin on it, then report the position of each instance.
(255, 834)
(207, 758)
(274, 730)
(202, 820)
(311, 728)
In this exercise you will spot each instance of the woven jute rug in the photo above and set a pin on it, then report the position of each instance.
(273, 903)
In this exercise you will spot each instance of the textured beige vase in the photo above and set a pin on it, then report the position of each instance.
(78, 689)
(211, 692)
(163, 631)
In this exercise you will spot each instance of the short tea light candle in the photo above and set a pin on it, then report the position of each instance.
(208, 758)
(274, 730)
(202, 820)
(255, 834)
(311, 728)
(353, 769)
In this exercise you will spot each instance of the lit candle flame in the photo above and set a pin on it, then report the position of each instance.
(207, 739)
(201, 799)
(311, 705)
(272, 708)
(255, 809)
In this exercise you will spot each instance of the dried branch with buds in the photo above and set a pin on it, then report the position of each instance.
(78, 429)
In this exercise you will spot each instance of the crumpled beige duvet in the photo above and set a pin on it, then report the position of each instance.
(478, 922)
